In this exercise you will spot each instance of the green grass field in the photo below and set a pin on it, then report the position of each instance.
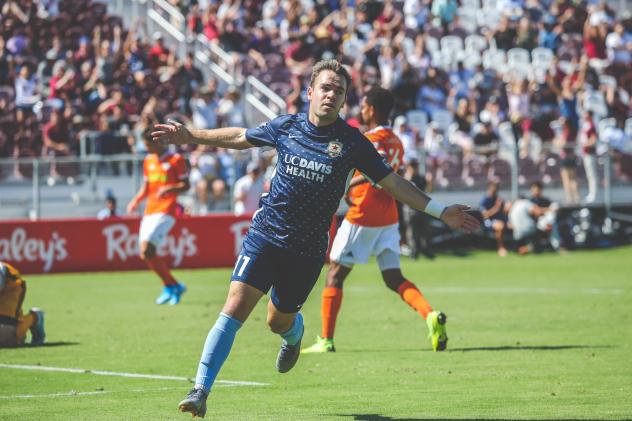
(539, 337)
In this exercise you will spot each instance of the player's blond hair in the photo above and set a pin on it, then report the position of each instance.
(333, 65)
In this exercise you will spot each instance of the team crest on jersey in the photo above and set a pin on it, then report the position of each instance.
(166, 166)
(334, 149)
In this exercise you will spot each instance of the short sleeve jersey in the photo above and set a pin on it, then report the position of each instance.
(370, 205)
(163, 171)
(11, 295)
(313, 169)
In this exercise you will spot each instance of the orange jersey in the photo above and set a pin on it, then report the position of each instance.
(11, 296)
(372, 206)
(163, 171)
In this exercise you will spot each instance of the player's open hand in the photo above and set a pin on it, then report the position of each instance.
(172, 132)
(131, 207)
(456, 217)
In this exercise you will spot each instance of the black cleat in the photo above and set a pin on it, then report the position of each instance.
(288, 355)
(195, 403)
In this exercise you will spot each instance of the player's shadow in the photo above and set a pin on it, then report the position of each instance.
(51, 344)
(377, 417)
(528, 348)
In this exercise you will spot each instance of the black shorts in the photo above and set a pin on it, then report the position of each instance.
(291, 276)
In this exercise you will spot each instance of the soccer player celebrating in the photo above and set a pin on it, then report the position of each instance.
(13, 323)
(166, 175)
(285, 247)
(371, 227)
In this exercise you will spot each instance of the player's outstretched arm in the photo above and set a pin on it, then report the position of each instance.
(226, 137)
(454, 216)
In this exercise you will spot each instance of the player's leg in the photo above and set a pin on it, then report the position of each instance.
(499, 231)
(342, 258)
(254, 268)
(242, 299)
(8, 336)
(388, 259)
(33, 321)
(290, 327)
(153, 231)
(297, 276)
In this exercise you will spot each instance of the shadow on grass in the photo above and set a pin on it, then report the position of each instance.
(46, 344)
(51, 344)
(528, 348)
(377, 417)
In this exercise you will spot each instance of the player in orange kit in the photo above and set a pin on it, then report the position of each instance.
(166, 175)
(371, 227)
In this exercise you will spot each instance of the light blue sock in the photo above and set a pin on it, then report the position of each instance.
(295, 333)
(216, 349)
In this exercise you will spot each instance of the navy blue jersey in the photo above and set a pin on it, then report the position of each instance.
(313, 168)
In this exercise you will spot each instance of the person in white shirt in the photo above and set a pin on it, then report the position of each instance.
(248, 190)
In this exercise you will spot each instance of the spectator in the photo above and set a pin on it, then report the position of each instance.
(568, 160)
(417, 223)
(26, 94)
(231, 109)
(204, 109)
(547, 223)
(205, 168)
(443, 12)
(56, 140)
(248, 190)
(492, 209)
(435, 146)
(504, 36)
(187, 78)
(588, 143)
(109, 211)
(219, 199)
(522, 219)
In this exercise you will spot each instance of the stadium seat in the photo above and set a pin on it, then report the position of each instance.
(443, 118)
(494, 59)
(488, 18)
(432, 44)
(541, 57)
(518, 57)
(451, 45)
(417, 119)
(468, 19)
(628, 128)
(475, 43)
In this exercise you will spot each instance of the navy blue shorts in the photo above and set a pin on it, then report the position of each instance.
(291, 276)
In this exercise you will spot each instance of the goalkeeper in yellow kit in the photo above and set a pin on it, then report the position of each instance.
(13, 323)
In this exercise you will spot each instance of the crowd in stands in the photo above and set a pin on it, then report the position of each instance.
(474, 81)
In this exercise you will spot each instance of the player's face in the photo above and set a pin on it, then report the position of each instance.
(327, 96)
(154, 146)
(366, 111)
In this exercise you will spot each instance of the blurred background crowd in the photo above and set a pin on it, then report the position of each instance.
(475, 82)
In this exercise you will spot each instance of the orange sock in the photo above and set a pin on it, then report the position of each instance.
(414, 298)
(158, 265)
(332, 299)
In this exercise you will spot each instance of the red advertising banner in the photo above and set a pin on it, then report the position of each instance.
(80, 245)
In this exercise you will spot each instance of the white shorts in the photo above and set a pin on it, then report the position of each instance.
(355, 243)
(155, 227)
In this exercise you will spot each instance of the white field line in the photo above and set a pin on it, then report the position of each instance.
(526, 290)
(508, 290)
(75, 393)
(118, 374)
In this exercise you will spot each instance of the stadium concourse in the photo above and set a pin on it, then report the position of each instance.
(474, 83)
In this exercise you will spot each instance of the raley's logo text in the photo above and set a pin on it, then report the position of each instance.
(123, 244)
(18, 247)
